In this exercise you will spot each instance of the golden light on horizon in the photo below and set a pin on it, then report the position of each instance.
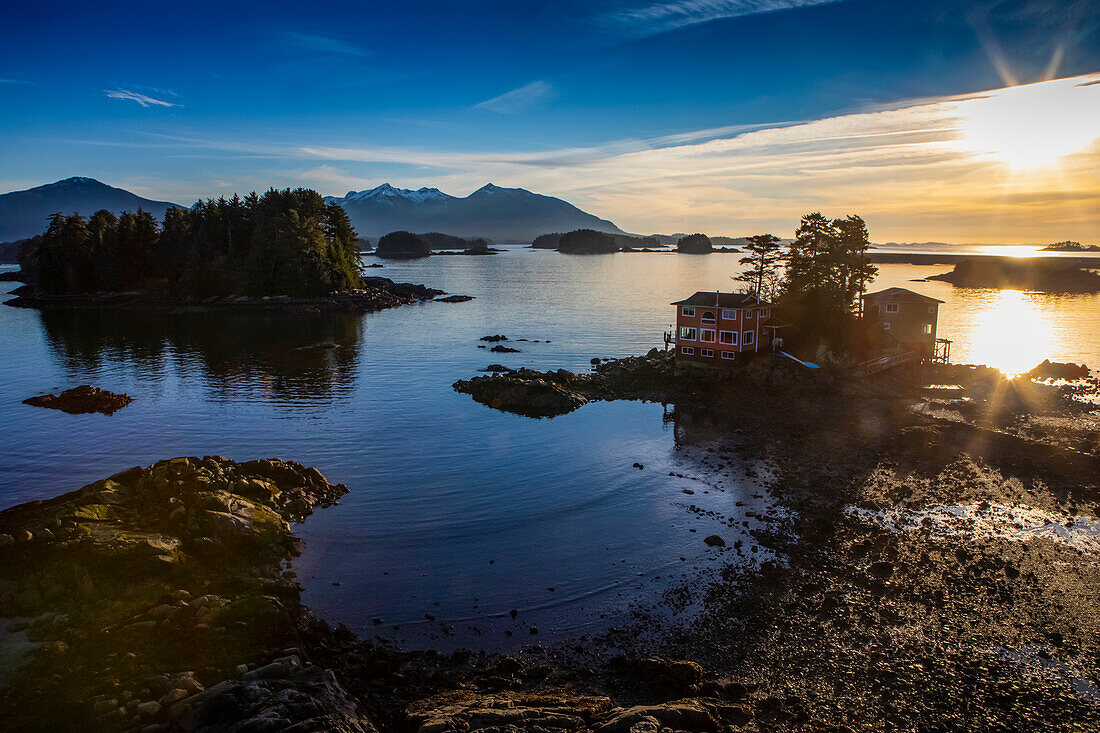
(1034, 125)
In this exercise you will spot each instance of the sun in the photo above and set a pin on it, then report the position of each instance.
(1033, 125)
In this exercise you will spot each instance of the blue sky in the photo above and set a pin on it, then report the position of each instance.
(203, 99)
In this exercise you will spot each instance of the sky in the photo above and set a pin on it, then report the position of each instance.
(944, 120)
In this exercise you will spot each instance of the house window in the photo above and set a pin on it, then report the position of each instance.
(886, 326)
(931, 309)
(748, 314)
(728, 337)
(927, 329)
(706, 352)
(707, 335)
(687, 334)
(729, 314)
(747, 337)
(708, 317)
(688, 311)
(765, 313)
(728, 354)
(687, 350)
(891, 307)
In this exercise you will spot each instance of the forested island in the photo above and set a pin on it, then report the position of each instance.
(590, 241)
(1048, 275)
(402, 245)
(285, 244)
(1071, 246)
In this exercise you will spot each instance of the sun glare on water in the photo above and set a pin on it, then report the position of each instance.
(1034, 125)
(1010, 333)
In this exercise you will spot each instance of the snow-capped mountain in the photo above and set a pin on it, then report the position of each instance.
(500, 214)
(386, 192)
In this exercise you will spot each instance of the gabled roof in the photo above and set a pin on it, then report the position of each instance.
(713, 299)
(899, 294)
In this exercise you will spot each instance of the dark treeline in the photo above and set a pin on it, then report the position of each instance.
(817, 279)
(622, 241)
(286, 242)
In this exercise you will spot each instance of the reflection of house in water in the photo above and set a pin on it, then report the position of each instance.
(908, 320)
(712, 328)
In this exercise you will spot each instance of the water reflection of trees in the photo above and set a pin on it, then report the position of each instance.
(234, 356)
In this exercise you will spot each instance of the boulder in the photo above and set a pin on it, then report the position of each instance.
(82, 400)
(1057, 370)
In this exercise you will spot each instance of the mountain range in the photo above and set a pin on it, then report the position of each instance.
(25, 213)
(500, 214)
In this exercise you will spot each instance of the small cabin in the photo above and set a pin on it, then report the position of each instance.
(713, 328)
(909, 319)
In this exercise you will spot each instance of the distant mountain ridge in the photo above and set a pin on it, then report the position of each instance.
(500, 214)
(26, 213)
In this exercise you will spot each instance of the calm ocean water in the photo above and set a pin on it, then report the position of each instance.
(457, 512)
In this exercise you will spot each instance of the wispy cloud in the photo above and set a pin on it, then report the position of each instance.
(654, 18)
(326, 45)
(143, 99)
(933, 169)
(15, 81)
(521, 99)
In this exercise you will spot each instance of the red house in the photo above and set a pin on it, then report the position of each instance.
(712, 328)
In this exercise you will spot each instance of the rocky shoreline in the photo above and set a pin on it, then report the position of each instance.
(377, 293)
(936, 569)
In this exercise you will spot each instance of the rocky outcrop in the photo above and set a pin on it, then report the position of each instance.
(1057, 370)
(144, 589)
(282, 695)
(547, 394)
(81, 400)
(526, 392)
(562, 710)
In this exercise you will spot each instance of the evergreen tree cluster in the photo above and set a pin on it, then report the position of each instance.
(827, 269)
(827, 264)
(818, 280)
(587, 241)
(764, 260)
(695, 244)
(285, 242)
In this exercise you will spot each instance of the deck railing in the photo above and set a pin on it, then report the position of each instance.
(886, 362)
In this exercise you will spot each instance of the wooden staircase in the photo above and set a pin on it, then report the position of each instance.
(882, 363)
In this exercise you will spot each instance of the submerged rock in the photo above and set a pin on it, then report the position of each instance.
(81, 400)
